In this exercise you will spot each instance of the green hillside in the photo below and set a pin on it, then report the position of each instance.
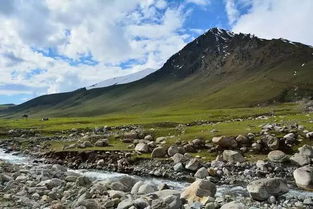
(217, 70)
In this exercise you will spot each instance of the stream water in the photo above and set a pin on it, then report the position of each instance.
(104, 175)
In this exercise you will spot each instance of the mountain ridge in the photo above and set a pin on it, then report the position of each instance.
(218, 69)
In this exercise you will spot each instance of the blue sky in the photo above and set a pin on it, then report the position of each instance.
(51, 46)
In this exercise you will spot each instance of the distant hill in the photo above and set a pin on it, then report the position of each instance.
(5, 106)
(219, 69)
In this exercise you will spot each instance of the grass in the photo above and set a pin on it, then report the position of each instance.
(171, 124)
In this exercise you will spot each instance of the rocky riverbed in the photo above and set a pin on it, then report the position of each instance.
(171, 178)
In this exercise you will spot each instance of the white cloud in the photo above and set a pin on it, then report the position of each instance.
(289, 19)
(231, 10)
(199, 2)
(112, 32)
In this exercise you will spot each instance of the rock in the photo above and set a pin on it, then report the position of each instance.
(256, 147)
(272, 143)
(131, 134)
(83, 181)
(232, 156)
(146, 189)
(128, 182)
(158, 152)
(233, 205)
(199, 191)
(89, 204)
(290, 137)
(306, 150)
(304, 177)
(202, 173)
(160, 139)
(300, 160)
(136, 187)
(101, 162)
(172, 150)
(125, 204)
(148, 138)
(225, 142)
(277, 156)
(102, 143)
(87, 144)
(193, 164)
(262, 189)
(309, 135)
(242, 139)
(179, 158)
(178, 167)
(189, 148)
(142, 147)
(51, 183)
(198, 143)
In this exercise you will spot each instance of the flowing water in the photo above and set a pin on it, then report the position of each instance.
(178, 185)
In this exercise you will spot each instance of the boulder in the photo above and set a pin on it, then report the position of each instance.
(304, 177)
(199, 191)
(290, 137)
(89, 204)
(300, 160)
(179, 158)
(225, 142)
(142, 147)
(193, 164)
(158, 152)
(242, 139)
(146, 189)
(51, 183)
(131, 134)
(148, 138)
(306, 150)
(262, 189)
(178, 167)
(198, 143)
(232, 156)
(202, 173)
(272, 143)
(277, 156)
(233, 205)
(160, 139)
(309, 135)
(172, 150)
(102, 143)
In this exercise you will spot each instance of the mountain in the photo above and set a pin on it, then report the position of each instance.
(122, 79)
(219, 69)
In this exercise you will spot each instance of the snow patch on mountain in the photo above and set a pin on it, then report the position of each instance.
(122, 79)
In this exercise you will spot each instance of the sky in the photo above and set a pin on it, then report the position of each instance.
(52, 46)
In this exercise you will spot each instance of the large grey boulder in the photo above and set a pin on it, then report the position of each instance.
(262, 189)
(272, 143)
(300, 160)
(306, 150)
(277, 156)
(193, 164)
(179, 158)
(242, 139)
(158, 152)
(199, 191)
(142, 147)
(232, 156)
(202, 173)
(233, 205)
(225, 142)
(304, 177)
(172, 150)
